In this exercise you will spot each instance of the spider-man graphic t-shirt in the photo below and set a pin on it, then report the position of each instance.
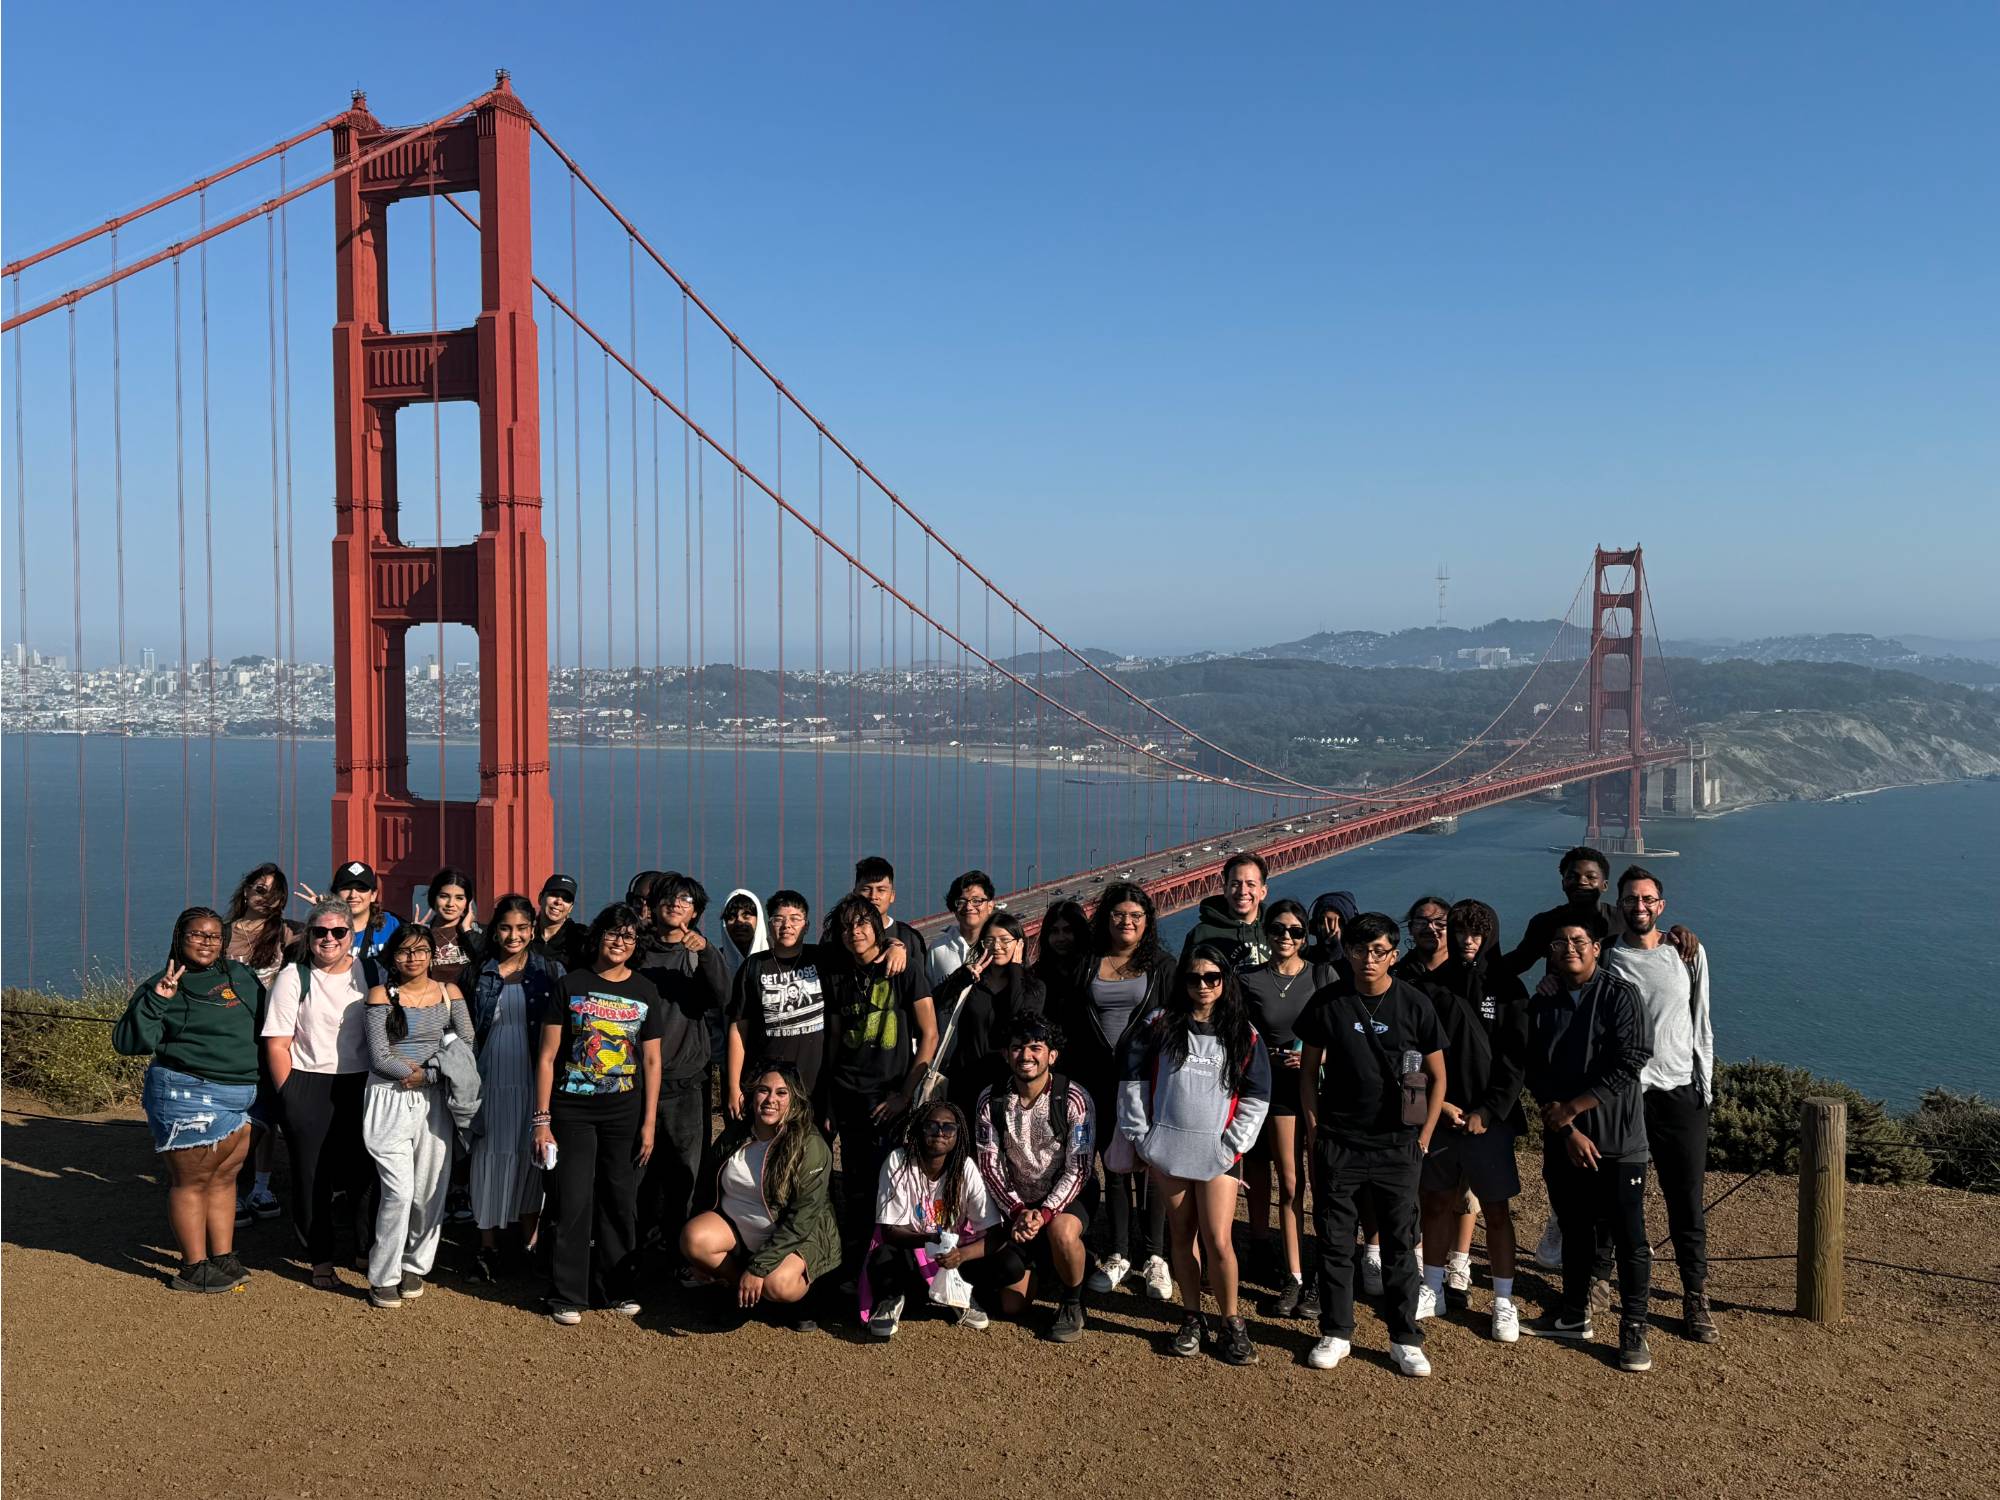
(604, 1021)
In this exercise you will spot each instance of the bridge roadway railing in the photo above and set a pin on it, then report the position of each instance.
(1177, 879)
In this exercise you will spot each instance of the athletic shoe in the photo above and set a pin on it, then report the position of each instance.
(230, 1269)
(1409, 1360)
(1427, 1303)
(1328, 1352)
(1634, 1358)
(1506, 1322)
(1068, 1326)
(1235, 1346)
(1457, 1285)
(1696, 1319)
(973, 1316)
(1557, 1324)
(458, 1206)
(244, 1216)
(413, 1286)
(1188, 1339)
(1110, 1271)
(565, 1317)
(1371, 1277)
(1157, 1278)
(625, 1309)
(687, 1278)
(886, 1317)
(1287, 1303)
(1549, 1253)
(1309, 1302)
(385, 1297)
(264, 1203)
(190, 1278)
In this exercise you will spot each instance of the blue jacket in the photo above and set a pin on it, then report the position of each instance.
(538, 981)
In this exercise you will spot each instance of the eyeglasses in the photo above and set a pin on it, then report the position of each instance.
(620, 937)
(1128, 918)
(1286, 930)
(1641, 901)
(1378, 955)
(1572, 945)
(201, 937)
(974, 902)
(331, 934)
(1206, 979)
(1435, 924)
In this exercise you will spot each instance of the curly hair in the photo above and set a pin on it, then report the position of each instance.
(1148, 952)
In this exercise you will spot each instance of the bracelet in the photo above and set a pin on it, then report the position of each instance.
(539, 1117)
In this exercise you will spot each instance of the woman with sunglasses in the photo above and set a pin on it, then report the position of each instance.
(513, 989)
(930, 1187)
(597, 1092)
(770, 1231)
(197, 1018)
(316, 1046)
(1274, 993)
(256, 935)
(1125, 974)
(1196, 1086)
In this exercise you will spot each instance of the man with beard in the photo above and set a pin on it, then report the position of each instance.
(1678, 1079)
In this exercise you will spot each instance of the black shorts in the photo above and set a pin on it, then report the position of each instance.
(1008, 1262)
(1484, 1164)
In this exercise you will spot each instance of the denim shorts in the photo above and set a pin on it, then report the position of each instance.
(186, 1111)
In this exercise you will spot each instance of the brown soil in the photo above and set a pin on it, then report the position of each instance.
(116, 1387)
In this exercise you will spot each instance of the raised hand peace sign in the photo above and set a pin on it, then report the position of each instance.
(306, 893)
(168, 984)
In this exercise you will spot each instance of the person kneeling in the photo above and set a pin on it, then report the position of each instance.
(771, 1232)
(1036, 1137)
(932, 1213)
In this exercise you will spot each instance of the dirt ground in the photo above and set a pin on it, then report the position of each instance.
(116, 1387)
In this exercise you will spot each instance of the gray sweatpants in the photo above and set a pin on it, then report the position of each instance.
(408, 1133)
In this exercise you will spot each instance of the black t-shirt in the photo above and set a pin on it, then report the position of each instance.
(1276, 1001)
(1358, 1106)
(873, 1021)
(780, 1006)
(604, 1022)
(1541, 929)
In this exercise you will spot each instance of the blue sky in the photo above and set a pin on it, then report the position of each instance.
(1197, 328)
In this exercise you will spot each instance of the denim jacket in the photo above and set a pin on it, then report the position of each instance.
(538, 981)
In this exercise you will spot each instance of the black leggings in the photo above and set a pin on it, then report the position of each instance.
(1130, 1195)
(322, 1113)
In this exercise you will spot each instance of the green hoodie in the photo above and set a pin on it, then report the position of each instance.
(1243, 941)
(207, 1029)
(802, 1224)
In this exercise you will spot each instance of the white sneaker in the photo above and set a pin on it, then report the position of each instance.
(1458, 1275)
(1409, 1359)
(1427, 1303)
(1549, 1253)
(1506, 1321)
(1328, 1352)
(1110, 1271)
(973, 1316)
(1158, 1279)
(886, 1318)
(1371, 1277)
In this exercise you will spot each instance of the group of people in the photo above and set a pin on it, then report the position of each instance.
(1019, 1114)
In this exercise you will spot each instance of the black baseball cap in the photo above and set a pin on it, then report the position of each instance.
(560, 885)
(353, 876)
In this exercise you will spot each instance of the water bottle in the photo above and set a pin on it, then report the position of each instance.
(548, 1162)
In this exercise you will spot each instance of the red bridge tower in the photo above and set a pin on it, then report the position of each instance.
(498, 584)
(1616, 691)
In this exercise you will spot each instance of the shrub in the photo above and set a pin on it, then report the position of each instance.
(1961, 1133)
(1756, 1125)
(67, 1063)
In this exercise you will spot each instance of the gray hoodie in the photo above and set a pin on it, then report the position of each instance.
(1181, 1116)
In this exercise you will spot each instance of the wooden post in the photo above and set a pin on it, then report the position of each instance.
(1822, 1208)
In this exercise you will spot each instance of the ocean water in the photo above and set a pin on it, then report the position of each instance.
(1846, 937)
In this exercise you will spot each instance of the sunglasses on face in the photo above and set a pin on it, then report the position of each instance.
(330, 932)
(940, 1127)
(1286, 930)
(1206, 979)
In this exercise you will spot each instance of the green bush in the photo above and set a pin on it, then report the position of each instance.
(67, 1063)
(1961, 1134)
(1756, 1125)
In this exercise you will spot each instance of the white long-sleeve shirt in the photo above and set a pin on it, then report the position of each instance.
(1673, 996)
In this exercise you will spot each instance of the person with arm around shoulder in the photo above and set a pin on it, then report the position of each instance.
(197, 1017)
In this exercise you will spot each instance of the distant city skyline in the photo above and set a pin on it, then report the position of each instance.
(1195, 337)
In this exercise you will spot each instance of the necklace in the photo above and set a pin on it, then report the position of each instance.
(1285, 984)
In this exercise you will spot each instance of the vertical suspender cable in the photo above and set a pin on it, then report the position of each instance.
(437, 493)
(124, 688)
(180, 513)
(610, 659)
(659, 729)
(556, 570)
(576, 519)
(277, 538)
(736, 620)
(208, 571)
(819, 696)
(687, 575)
(986, 726)
(895, 799)
(76, 661)
(701, 642)
(854, 684)
(1014, 770)
(778, 408)
(638, 673)
(291, 587)
(27, 886)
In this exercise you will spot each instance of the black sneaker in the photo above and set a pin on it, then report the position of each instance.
(1235, 1346)
(413, 1286)
(1634, 1358)
(1188, 1339)
(230, 1268)
(1557, 1324)
(1309, 1301)
(1068, 1326)
(1287, 1303)
(187, 1278)
(209, 1276)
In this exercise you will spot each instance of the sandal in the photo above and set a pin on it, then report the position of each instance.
(326, 1279)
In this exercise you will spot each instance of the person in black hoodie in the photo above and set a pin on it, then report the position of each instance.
(1485, 1020)
(688, 973)
(987, 991)
(1330, 913)
(1586, 1045)
(1234, 920)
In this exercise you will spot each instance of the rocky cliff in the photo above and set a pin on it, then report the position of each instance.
(1800, 754)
